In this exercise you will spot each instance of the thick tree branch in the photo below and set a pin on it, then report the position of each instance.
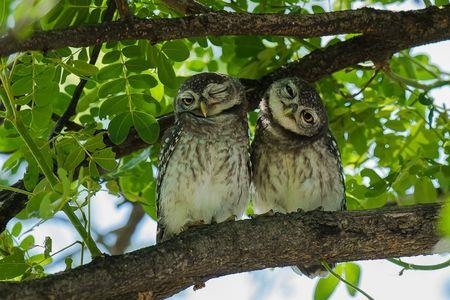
(264, 242)
(418, 26)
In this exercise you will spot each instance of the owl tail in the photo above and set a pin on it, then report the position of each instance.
(312, 271)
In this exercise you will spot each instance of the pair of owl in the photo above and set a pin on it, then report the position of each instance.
(206, 168)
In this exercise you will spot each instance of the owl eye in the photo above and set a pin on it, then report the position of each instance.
(187, 100)
(289, 91)
(308, 117)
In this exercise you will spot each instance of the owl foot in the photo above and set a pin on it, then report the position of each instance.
(320, 208)
(269, 213)
(193, 224)
(231, 218)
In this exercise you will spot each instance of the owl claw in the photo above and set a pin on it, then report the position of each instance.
(269, 213)
(231, 218)
(193, 224)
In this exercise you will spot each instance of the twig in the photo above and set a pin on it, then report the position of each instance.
(124, 10)
(71, 108)
(408, 266)
(364, 87)
(328, 268)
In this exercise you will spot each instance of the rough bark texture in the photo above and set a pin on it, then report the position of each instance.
(430, 24)
(264, 242)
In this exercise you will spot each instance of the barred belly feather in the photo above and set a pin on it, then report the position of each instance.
(303, 178)
(207, 177)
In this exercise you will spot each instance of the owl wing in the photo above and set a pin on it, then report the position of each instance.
(169, 142)
(333, 148)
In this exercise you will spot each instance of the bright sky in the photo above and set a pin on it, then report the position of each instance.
(379, 278)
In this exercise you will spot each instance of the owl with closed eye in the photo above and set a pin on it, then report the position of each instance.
(204, 173)
(295, 160)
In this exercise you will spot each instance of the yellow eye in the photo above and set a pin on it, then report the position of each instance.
(307, 117)
(187, 100)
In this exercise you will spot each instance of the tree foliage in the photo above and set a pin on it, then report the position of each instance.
(392, 135)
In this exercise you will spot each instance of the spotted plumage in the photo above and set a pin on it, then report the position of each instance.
(296, 161)
(204, 173)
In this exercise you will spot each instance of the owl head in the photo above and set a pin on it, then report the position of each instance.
(207, 95)
(296, 107)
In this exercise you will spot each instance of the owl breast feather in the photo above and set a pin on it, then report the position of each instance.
(207, 179)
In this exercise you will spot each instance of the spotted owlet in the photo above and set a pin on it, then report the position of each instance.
(204, 173)
(295, 159)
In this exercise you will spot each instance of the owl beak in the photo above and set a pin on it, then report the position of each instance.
(292, 108)
(204, 108)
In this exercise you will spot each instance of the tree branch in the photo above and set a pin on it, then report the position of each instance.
(417, 27)
(124, 10)
(264, 242)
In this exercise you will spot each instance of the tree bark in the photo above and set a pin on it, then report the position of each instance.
(429, 24)
(210, 251)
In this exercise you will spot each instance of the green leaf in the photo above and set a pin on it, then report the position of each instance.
(45, 208)
(84, 68)
(112, 87)
(13, 265)
(137, 65)
(110, 72)
(424, 191)
(146, 126)
(17, 229)
(94, 143)
(114, 105)
(166, 73)
(444, 219)
(105, 158)
(352, 275)
(325, 287)
(93, 171)
(27, 243)
(111, 57)
(142, 81)
(425, 99)
(75, 157)
(22, 86)
(47, 246)
(119, 127)
(131, 51)
(176, 50)
(68, 261)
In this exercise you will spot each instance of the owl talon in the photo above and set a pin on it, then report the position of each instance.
(193, 224)
(269, 213)
(231, 218)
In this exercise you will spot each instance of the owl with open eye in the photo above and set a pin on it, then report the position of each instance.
(295, 159)
(204, 163)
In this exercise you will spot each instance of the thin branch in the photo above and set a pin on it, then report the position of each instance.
(124, 10)
(211, 251)
(186, 7)
(414, 27)
(71, 108)
(329, 269)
